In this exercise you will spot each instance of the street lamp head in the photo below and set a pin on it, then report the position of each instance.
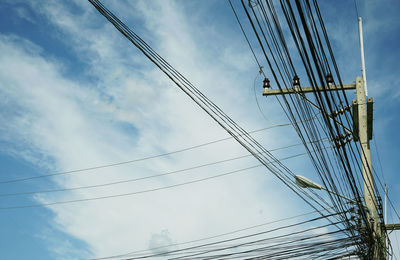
(306, 183)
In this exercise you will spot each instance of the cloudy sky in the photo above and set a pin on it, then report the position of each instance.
(75, 94)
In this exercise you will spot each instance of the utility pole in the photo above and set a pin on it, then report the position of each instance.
(365, 123)
(362, 132)
(365, 132)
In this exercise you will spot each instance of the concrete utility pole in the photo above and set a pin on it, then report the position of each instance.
(369, 195)
(365, 134)
(362, 132)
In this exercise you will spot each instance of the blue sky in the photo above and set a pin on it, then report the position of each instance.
(75, 94)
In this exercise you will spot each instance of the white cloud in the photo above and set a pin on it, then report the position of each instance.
(159, 242)
(132, 111)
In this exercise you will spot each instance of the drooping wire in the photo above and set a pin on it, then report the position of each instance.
(241, 136)
(207, 238)
(169, 173)
(137, 160)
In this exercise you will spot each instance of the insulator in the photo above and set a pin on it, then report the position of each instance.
(341, 111)
(329, 78)
(266, 83)
(341, 140)
(296, 81)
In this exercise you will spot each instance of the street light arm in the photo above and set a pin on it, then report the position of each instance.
(306, 183)
(340, 195)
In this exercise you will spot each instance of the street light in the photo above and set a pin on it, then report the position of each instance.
(306, 183)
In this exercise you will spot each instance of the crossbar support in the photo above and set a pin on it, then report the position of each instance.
(272, 92)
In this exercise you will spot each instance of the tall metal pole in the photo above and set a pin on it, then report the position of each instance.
(364, 74)
(385, 204)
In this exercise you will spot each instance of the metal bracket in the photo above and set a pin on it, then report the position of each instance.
(370, 112)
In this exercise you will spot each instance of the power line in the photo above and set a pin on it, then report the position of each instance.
(142, 191)
(185, 250)
(356, 6)
(135, 160)
(142, 178)
(217, 114)
(328, 104)
(208, 238)
(247, 40)
(308, 36)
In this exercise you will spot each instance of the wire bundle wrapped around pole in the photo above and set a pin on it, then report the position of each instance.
(338, 168)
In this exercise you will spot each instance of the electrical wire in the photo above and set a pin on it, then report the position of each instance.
(207, 238)
(135, 160)
(146, 177)
(130, 193)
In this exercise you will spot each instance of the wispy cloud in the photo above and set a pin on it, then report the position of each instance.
(118, 107)
(122, 108)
